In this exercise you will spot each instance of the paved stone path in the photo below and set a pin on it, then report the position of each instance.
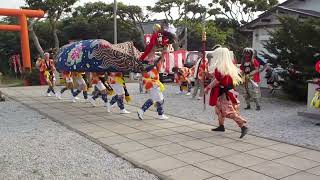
(177, 148)
(277, 120)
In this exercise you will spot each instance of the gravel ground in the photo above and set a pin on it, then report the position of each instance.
(277, 120)
(34, 147)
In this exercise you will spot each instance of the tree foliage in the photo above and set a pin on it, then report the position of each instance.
(176, 10)
(54, 9)
(214, 34)
(295, 44)
(240, 10)
(95, 20)
(9, 44)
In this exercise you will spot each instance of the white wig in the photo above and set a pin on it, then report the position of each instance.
(224, 64)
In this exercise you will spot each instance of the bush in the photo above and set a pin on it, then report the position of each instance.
(295, 44)
(296, 87)
(32, 77)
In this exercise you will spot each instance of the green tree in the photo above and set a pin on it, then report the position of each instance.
(95, 20)
(9, 44)
(177, 10)
(295, 43)
(54, 9)
(214, 36)
(240, 10)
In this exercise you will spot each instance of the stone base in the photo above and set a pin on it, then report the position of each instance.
(310, 113)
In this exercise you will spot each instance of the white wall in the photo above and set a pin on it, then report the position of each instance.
(261, 35)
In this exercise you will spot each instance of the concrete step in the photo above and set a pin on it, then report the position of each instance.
(310, 113)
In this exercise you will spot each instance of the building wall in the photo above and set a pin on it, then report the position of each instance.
(261, 31)
(260, 36)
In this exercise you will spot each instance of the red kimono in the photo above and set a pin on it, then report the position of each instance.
(157, 39)
(222, 89)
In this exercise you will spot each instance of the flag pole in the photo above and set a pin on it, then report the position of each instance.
(204, 39)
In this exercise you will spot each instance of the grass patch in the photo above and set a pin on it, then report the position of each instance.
(10, 81)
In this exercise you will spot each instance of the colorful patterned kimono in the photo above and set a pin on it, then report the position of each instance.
(316, 99)
(198, 73)
(100, 88)
(152, 84)
(151, 79)
(224, 98)
(69, 84)
(47, 68)
(158, 40)
(117, 83)
(182, 78)
(81, 84)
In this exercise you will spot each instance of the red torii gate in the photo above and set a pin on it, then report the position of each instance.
(22, 15)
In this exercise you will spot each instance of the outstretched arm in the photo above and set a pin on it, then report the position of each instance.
(211, 85)
(149, 47)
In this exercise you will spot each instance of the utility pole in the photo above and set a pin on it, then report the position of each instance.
(185, 26)
(115, 22)
(204, 39)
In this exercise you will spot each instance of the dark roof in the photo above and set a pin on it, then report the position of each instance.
(314, 13)
(281, 6)
(286, 2)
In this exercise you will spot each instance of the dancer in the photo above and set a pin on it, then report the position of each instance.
(182, 78)
(199, 76)
(100, 88)
(69, 84)
(315, 102)
(81, 86)
(160, 40)
(250, 70)
(47, 67)
(117, 83)
(152, 84)
(222, 95)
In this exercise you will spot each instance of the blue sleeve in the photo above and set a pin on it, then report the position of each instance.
(261, 62)
(149, 68)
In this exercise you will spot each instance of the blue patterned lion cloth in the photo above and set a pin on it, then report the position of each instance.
(98, 55)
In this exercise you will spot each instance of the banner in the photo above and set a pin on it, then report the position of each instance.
(16, 63)
(174, 59)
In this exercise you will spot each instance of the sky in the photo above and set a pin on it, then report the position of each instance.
(142, 3)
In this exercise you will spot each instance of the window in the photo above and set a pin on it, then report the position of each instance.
(303, 17)
(265, 20)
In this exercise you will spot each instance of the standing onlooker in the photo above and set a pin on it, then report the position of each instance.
(199, 76)
(250, 67)
(41, 68)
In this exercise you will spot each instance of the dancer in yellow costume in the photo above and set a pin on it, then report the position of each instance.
(81, 85)
(117, 83)
(101, 88)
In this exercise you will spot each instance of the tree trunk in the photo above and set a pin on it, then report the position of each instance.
(35, 39)
(55, 36)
